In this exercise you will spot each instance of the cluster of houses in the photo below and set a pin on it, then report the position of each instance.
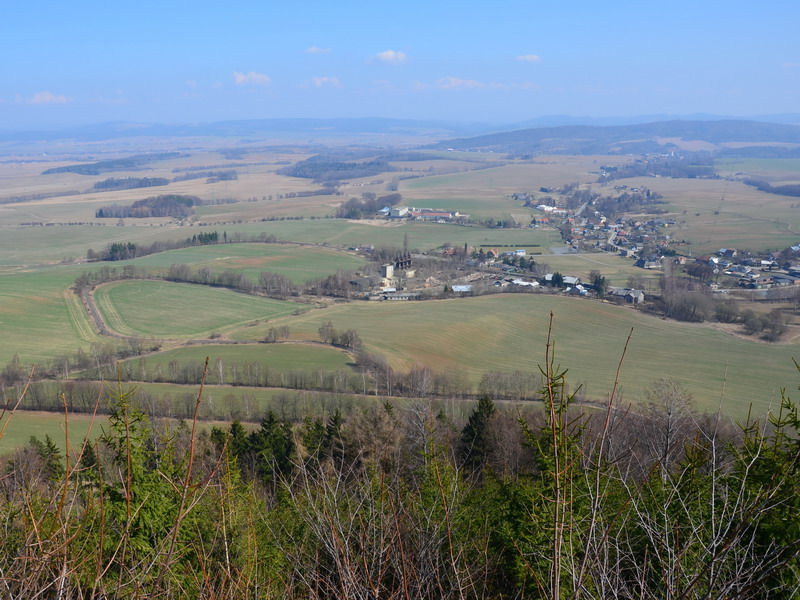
(421, 214)
(752, 272)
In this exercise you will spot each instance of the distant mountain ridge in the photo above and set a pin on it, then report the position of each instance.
(597, 132)
(624, 139)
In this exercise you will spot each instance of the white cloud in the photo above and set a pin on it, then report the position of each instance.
(791, 65)
(48, 98)
(456, 83)
(529, 58)
(190, 83)
(251, 78)
(317, 50)
(392, 57)
(323, 81)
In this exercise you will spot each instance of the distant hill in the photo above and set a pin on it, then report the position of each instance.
(635, 139)
(547, 134)
(316, 128)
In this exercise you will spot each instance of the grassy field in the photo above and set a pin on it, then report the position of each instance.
(24, 424)
(178, 310)
(508, 332)
(39, 317)
(280, 356)
(298, 263)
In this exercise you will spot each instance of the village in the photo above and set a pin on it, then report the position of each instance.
(650, 241)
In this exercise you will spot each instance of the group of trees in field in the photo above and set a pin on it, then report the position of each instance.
(626, 202)
(401, 501)
(167, 205)
(366, 206)
(332, 169)
(685, 300)
(346, 339)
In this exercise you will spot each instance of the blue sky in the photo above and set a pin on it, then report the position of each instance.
(176, 61)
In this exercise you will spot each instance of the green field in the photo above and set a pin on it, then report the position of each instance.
(508, 332)
(178, 310)
(39, 317)
(280, 356)
(298, 263)
(24, 424)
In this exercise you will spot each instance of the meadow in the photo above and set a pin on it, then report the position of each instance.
(508, 332)
(277, 356)
(40, 318)
(299, 263)
(179, 310)
(23, 424)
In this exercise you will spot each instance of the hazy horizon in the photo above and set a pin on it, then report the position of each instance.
(192, 62)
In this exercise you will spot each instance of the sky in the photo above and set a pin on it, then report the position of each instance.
(176, 61)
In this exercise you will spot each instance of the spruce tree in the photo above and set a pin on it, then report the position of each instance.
(475, 437)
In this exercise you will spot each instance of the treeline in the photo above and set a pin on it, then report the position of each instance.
(373, 376)
(275, 285)
(129, 250)
(270, 284)
(328, 190)
(128, 183)
(117, 164)
(402, 501)
(790, 189)
(99, 354)
(219, 404)
(211, 176)
(366, 206)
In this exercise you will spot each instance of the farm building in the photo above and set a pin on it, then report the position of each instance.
(399, 212)
(629, 295)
